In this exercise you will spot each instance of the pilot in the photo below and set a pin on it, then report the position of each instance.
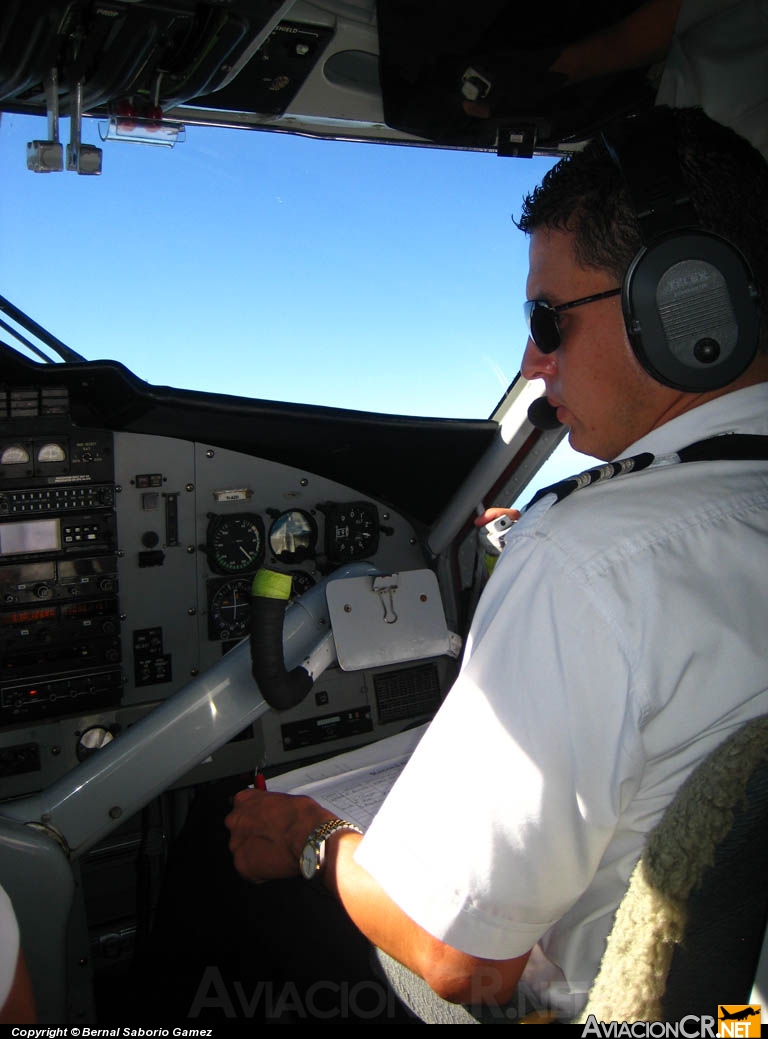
(620, 638)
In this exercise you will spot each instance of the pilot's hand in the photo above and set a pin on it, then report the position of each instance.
(268, 832)
(491, 514)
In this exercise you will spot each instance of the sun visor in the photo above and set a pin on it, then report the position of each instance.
(433, 58)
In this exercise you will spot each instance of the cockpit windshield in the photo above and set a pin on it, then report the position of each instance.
(379, 278)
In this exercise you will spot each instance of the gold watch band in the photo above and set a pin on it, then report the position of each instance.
(316, 842)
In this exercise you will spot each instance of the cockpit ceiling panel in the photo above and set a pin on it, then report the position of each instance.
(161, 54)
(274, 63)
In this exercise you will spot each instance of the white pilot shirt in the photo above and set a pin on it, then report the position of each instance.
(717, 60)
(620, 638)
(9, 945)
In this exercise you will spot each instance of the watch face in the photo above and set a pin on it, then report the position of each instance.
(309, 861)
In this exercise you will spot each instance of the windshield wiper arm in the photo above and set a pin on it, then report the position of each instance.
(65, 352)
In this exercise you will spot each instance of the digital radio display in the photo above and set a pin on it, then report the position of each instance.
(20, 617)
(43, 535)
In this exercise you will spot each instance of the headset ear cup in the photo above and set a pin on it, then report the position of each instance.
(690, 309)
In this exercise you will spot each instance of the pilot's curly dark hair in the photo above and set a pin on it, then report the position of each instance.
(727, 178)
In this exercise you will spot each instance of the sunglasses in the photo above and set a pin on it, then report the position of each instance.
(544, 324)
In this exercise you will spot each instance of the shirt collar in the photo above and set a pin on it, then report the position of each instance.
(742, 411)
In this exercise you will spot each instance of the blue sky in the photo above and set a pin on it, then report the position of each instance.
(361, 276)
(279, 266)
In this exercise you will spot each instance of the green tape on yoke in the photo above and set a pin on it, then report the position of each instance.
(269, 584)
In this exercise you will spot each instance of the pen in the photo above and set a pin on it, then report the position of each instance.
(259, 779)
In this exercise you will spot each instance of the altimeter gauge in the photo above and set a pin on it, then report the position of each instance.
(301, 582)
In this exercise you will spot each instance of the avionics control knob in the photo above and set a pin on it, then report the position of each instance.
(91, 740)
(43, 591)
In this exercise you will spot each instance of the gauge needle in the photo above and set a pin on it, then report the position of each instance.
(246, 553)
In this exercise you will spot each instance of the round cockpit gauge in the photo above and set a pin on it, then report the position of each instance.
(51, 453)
(229, 609)
(14, 454)
(235, 544)
(351, 530)
(293, 536)
(302, 582)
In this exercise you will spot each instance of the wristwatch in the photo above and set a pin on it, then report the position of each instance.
(313, 852)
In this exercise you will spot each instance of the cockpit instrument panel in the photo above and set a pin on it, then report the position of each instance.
(126, 571)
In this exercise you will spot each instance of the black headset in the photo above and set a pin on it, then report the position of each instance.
(689, 296)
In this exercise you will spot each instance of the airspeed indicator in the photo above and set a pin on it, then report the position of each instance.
(235, 544)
